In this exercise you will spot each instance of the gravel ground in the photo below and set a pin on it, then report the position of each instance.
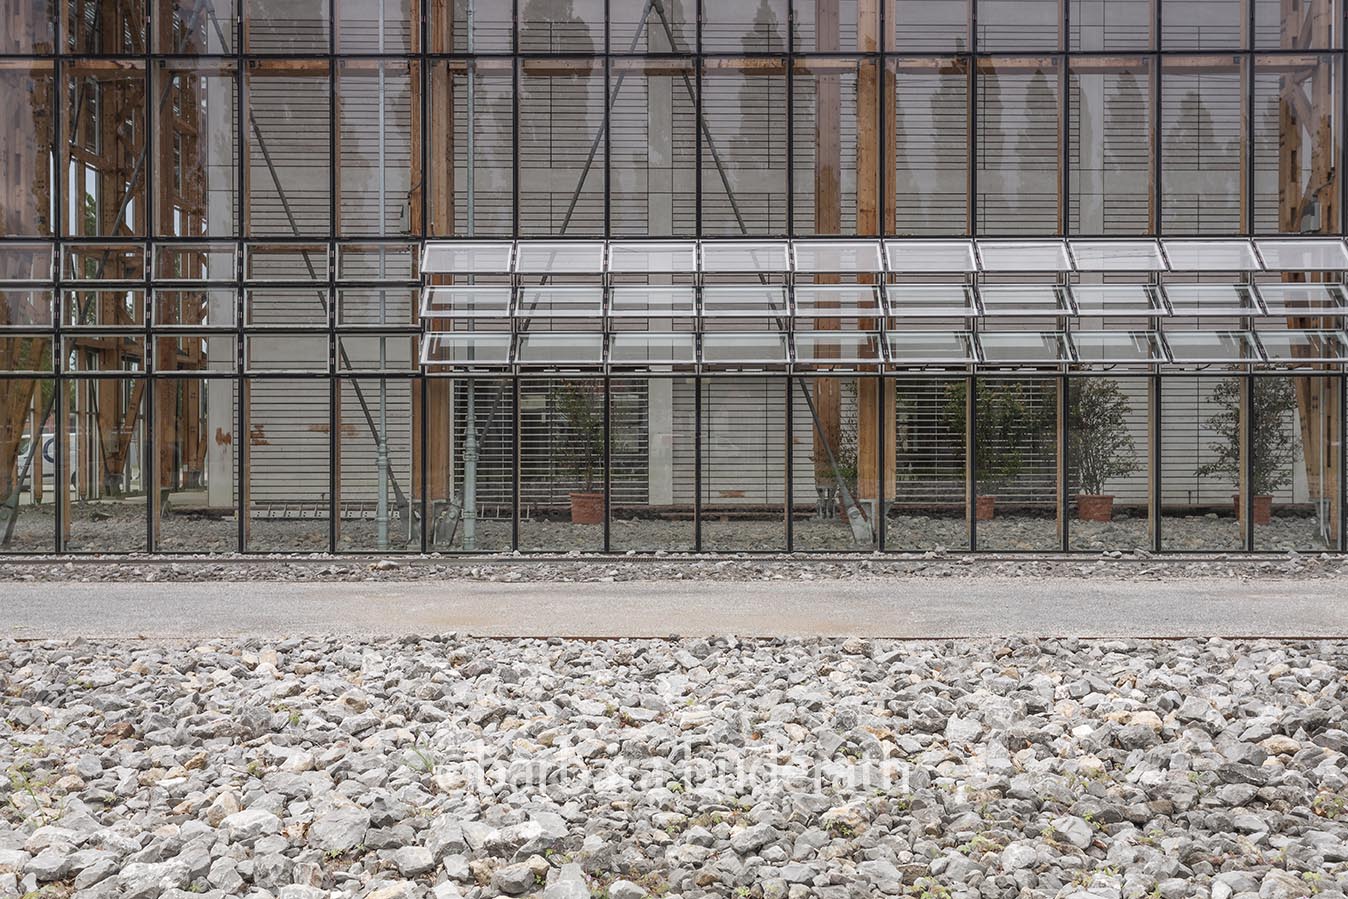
(436, 767)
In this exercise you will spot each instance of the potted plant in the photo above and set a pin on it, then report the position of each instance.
(580, 453)
(1272, 446)
(1005, 424)
(1099, 445)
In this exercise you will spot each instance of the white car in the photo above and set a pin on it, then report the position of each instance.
(48, 460)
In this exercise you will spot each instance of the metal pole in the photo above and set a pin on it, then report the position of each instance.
(470, 447)
(381, 438)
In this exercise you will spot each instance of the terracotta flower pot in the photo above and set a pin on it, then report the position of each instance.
(587, 508)
(1263, 507)
(1095, 507)
(985, 508)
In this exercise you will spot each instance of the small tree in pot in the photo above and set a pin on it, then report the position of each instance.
(1099, 445)
(580, 407)
(1006, 424)
(1272, 447)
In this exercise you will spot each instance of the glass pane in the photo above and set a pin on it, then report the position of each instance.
(1202, 140)
(828, 97)
(561, 463)
(289, 493)
(560, 348)
(653, 455)
(834, 482)
(841, 301)
(1211, 256)
(489, 29)
(931, 140)
(930, 301)
(1211, 347)
(470, 462)
(1210, 300)
(573, 26)
(108, 493)
(467, 258)
(466, 302)
(652, 258)
(1303, 255)
(466, 350)
(652, 302)
(382, 352)
(1296, 461)
(382, 26)
(830, 26)
(297, 351)
(561, 147)
(1297, 133)
(374, 485)
(28, 520)
(115, 308)
(1200, 463)
(744, 302)
(197, 192)
(1117, 256)
(560, 302)
(282, 306)
(1117, 347)
(921, 348)
(928, 508)
(653, 166)
(26, 262)
(1132, 300)
(1016, 460)
(376, 305)
(1024, 256)
(1110, 149)
(743, 160)
(1303, 347)
(929, 26)
(750, 350)
(376, 191)
(1022, 348)
(26, 308)
(1018, 25)
(744, 467)
(25, 353)
(1204, 25)
(29, 27)
(288, 184)
(1111, 25)
(1303, 299)
(104, 262)
(638, 27)
(92, 28)
(758, 26)
(26, 144)
(823, 348)
(1018, 302)
(198, 502)
(1309, 25)
(642, 348)
(931, 256)
(573, 257)
(471, 123)
(105, 120)
(744, 256)
(286, 26)
(851, 257)
(195, 262)
(1107, 429)
(1019, 154)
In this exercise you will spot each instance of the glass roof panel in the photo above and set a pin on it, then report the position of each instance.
(465, 302)
(564, 257)
(467, 258)
(1017, 301)
(823, 347)
(1024, 256)
(1023, 347)
(762, 256)
(1303, 299)
(662, 257)
(838, 256)
(1200, 300)
(652, 302)
(1211, 347)
(1303, 255)
(560, 348)
(1117, 255)
(950, 256)
(744, 302)
(466, 349)
(725, 348)
(930, 301)
(1210, 255)
(1290, 346)
(560, 302)
(655, 348)
(1118, 347)
(1116, 300)
(837, 301)
(930, 348)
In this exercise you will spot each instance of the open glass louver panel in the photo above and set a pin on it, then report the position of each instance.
(1302, 255)
(765, 257)
(560, 302)
(1210, 300)
(465, 302)
(744, 349)
(930, 301)
(1303, 300)
(1295, 347)
(749, 301)
(563, 349)
(931, 256)
(1212, 347)
(1027, 348)
(468, 258)
(465, 350)
(1210, 255)
(825, 349)
(568, 257)
(1117, 255)
(1024, 256)
(837, 301)
(652, 302)
(647, 349)
(644, 257)
(930, 349)
(1022, 301)
(1117, 347)
(1116, 301)
(850, 257)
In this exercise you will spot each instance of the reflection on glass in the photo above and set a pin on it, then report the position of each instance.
(928, 508)
(26, 142)
(28, 478)
(930, 301)
(652, 302)
(653, 448)
(467, 258)
(198, 507)
(929, 348)
(466, 302)
(1019, 152)
(1017, 25)
(286, 109)
(744, 467)
(560, 348)
(1212, 347)
(466, 350)
(1022, 348)
(648, 258)
(568, 257)
(931, 141)
(108, 490)
(750, 349)
(470, 460)
(1024, 256)
(834, 498)
(766, 257)
(1202, 140)
(561, 148)
(1007, 301)
(1200, 463)
(1210, 300)
(743, 159)
(1303, 347)
(934, 256)
(1303, 255)
(471, 121)
(561, 465)
(639, 348)
(851, 257)
(560, 302)
(1015, 462)
(1203, 25)
(1211, 256)
(1303, 299)
(1111, 24)
(1117, 256)
(1125, 300)
(374, 477)
(1111, 151)
(1117, 347)
(1108, 495)
(1297, 464)
(374, 144)
(824, 348)
(1297, 133)
(929, 26)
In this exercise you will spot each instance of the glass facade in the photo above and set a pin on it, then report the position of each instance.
(646, 275)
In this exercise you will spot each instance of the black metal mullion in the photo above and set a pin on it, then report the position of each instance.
(1064, 462)
(334, 384)
(57, 227)
(515, 462)
(1156, 483)
(971, 458)
(151, 448)
(423, 226)
(697, 463)
(1247, 388)
(608, 462)
(789, 458)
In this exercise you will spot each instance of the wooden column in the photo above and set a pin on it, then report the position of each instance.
(827, 221)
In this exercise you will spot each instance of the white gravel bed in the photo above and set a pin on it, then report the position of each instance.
(442, 767)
